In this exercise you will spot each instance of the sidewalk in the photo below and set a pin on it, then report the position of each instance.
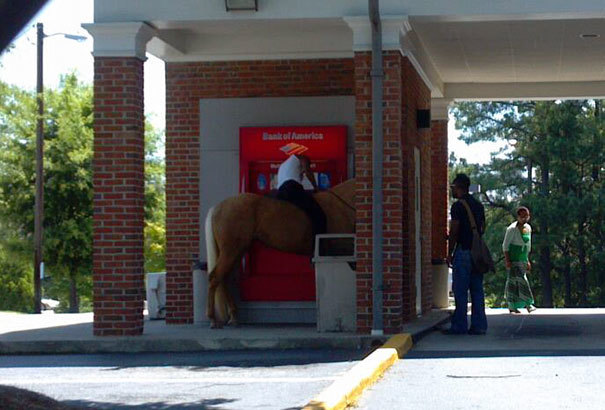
(50, 333)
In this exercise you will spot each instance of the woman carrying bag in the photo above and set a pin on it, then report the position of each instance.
(516, 247)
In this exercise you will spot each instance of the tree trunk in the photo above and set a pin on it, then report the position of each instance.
(545, 268)
(545, 261)
(583, 268)
(596, 166)
(567, 275)
(530, 170)
(73, 295)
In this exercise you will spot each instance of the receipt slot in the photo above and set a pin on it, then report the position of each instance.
(267, 274)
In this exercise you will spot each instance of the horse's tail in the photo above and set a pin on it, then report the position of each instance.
(211, 247)
(212, 254)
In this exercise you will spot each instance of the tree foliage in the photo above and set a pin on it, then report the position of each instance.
(16, 292)
(155, 201)
(68, 192)
(553, 163)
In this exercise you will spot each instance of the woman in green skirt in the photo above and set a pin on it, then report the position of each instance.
(516, 247)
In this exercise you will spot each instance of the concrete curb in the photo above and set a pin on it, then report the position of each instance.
(348, 388)
(150, 345)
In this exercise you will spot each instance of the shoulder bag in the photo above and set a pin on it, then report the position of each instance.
(480, 254)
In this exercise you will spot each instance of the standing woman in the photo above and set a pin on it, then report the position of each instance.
(516, 247)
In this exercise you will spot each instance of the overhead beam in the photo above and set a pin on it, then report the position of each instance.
(420, 59)
(454, 10)
(524, 91)
(168, 44)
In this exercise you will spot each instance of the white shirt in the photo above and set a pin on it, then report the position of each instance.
(513, 237)
(289, 169)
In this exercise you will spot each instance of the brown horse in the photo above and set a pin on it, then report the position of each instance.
(233, 224)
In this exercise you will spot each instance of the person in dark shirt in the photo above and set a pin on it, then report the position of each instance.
(465, 277)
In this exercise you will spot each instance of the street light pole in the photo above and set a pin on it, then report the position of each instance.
(39, 207)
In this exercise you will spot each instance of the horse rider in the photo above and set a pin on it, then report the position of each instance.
(289, 185)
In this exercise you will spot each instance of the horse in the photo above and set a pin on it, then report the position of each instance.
(233, 224)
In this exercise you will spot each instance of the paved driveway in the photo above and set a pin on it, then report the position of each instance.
(551, 359)
(544, 332)
(264, 379)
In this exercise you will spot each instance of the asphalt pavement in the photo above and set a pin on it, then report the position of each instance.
(549, 359)
(193, 367)
(544, 332)
(268, 379)
(527, 359)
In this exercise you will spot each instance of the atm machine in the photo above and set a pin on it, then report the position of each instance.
(267, 274)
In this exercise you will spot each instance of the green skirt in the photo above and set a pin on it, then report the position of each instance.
(517, 291)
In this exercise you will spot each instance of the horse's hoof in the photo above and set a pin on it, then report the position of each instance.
(215, 325)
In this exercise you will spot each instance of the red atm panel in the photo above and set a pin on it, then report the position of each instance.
(267, 274)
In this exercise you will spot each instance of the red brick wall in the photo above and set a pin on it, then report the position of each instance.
(186, 84)
(363, 198)
(392, 191)
(439, 169)
(415, 96)
(404, 93)
(118, 182)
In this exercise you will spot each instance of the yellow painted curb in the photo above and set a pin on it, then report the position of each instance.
(347, 389)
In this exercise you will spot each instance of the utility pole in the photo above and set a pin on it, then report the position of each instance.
(39, 207)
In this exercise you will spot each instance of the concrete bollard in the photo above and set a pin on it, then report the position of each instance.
(200, 293)
(440, 284)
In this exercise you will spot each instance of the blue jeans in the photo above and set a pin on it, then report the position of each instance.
(464, 279)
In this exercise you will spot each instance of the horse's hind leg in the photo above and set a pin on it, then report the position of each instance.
(232, 309)
(212, 285)
(224, 266)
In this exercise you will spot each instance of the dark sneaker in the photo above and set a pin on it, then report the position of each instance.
(514, 310)
(476, 332)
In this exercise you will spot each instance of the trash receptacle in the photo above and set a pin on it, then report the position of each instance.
(156, 295)
(440, 284)
(335, 283)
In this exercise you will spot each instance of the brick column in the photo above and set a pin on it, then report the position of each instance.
(439, 200)
(118, 183)
(439, 169)
(363, 196)
(416, 96)
(392, 193)
(404, 93)
(182, 187)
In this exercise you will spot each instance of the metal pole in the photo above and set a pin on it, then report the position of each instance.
(377, 142)
(39, 207)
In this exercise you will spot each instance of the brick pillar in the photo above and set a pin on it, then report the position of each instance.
(416, 96)
(426, 235)
(118, 183)
(439, 201)
(404, 93)
(439, 170)
(392, 191)
(183, 84)
(363, 196)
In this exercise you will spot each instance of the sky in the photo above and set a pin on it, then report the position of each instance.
(61, 56)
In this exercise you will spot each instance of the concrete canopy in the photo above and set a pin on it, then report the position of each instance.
(464, 49)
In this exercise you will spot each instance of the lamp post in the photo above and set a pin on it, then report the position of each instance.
(39, 195)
